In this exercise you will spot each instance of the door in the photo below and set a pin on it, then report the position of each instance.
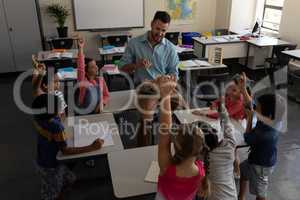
(6, 55)
(25, 33)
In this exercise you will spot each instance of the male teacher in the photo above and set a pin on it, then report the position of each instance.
(146, 57)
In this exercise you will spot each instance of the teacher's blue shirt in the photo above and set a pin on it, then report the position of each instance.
(163, 57)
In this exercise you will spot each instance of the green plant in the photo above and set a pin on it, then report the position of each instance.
(59, 12)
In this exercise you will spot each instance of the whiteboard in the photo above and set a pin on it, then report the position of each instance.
(108, 14)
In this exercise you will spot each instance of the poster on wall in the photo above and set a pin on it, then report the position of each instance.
(181, 11)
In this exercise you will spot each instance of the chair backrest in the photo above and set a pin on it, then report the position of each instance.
(282, 58)
(208, 92)
(117, 41)
(173, 37)
(62, 43)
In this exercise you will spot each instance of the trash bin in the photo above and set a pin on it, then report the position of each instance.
(187, 37)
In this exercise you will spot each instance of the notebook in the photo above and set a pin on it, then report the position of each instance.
(153, 173)
(86, 133)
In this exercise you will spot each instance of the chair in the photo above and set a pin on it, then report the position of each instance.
(208, 92)
(173, 37)
(117, 41)
(278, 60)
(62, 43)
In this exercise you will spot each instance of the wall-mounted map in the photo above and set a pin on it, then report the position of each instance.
(181, 10)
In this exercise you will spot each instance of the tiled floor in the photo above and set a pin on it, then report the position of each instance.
(18, 179)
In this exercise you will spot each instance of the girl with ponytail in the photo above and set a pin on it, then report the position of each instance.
(182, 175)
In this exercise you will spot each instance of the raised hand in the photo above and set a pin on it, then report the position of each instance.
(39, 68)
(97, 144)
(81, 42)
(166, 84)
(143, 63)
(242, 81)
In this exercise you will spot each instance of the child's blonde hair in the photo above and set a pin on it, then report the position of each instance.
(189, 141)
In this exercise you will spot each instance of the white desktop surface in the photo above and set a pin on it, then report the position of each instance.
(186, 117)
(266, 41)
(108, 117)
(128, 170)
(202, 67)
(218, 39)
(293, 53)
(120, 101)
(112, 51)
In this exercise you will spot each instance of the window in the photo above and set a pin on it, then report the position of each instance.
(272, 14)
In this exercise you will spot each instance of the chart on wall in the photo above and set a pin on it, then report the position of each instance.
(182, 11)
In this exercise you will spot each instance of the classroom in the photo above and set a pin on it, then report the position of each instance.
(150, 99)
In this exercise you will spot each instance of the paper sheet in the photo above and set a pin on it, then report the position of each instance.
(85, 134)
(202, 63)
(67, 55)
(188, 63)
(153, 173)
(220, 39)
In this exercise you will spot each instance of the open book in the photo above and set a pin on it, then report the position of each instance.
(194, 63)
(59, 55)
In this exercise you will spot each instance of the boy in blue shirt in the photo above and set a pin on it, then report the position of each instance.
(263, 140)
(51, 138)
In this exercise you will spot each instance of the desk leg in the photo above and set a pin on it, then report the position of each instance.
(188, 85)
(247, 58)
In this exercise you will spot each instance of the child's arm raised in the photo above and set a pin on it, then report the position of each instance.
(97, 144)
(39, 70)
(166, 86)
(243, 88)
(80, 61)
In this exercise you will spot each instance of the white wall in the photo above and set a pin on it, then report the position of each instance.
(289, 27)
(223, 10)
(204, 21)
(242, 14)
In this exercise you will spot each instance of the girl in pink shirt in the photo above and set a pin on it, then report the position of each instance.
(93, 91)
(234, 102)
(182, 175)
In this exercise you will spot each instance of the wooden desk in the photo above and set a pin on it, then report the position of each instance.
(186, 117)
(108, 117)
(128, 170)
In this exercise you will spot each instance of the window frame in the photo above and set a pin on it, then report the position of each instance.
(274, 8)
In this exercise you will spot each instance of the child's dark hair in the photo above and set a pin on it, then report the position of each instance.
(162, 16)
(188, 143)
(268, 105)
(50, 102)
(86, 62)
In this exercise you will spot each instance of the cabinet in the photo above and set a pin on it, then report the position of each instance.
(19, 34)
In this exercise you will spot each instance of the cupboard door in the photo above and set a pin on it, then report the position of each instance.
(6, 55)
(25, 33)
